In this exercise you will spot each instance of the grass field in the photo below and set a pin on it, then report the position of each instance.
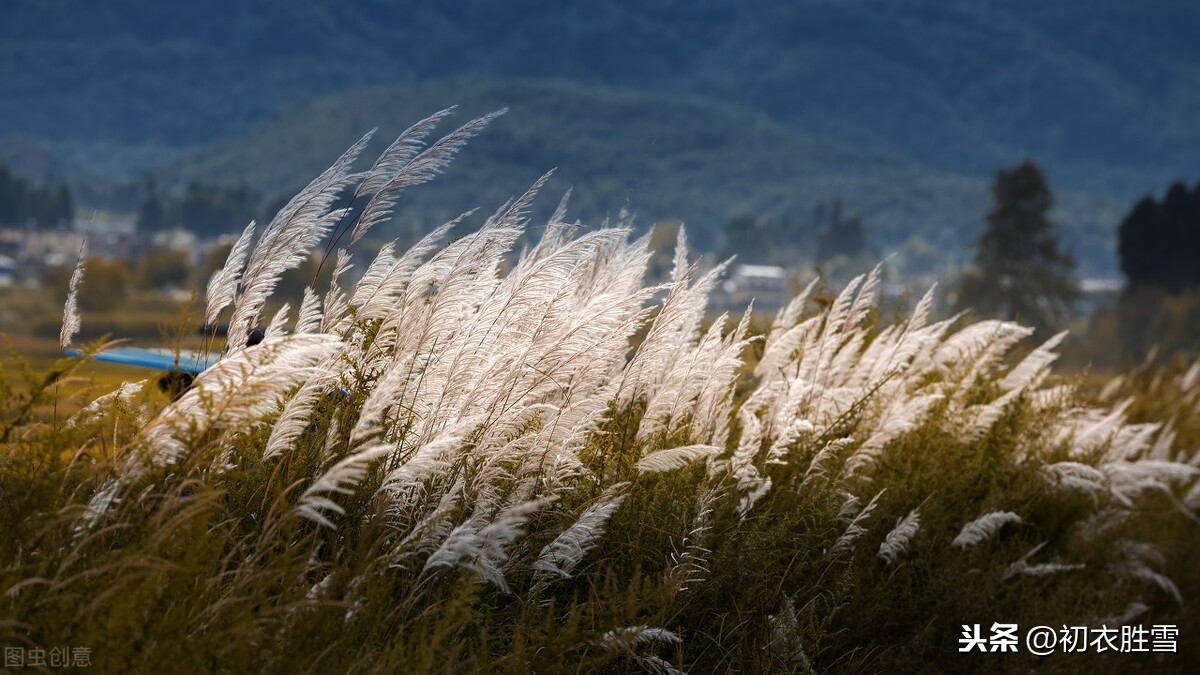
(471, 463)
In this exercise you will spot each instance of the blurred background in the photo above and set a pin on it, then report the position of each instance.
(1041, 161)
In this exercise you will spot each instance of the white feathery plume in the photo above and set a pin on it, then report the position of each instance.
(1111, 388)
(979, 344)
(121, 396)
(981, 418)
(921, 312)
(675, 327)
(714, 404)
(630, 637)
(855, 529)
(1129, 480)
(897, 540)
(789, 315)
(835, 316)
(1132, 440)
(223, 285)
(817, 468)
(427, 462)
(1076, 476)
(901, 416)
(238, 391)
(560, 212)
(1032, 369)
(786, 335)
(561, 556)
(1022, 566)
(275, 327)
(482, 545)
(1132, 611)
(388, 276)
(1192, 498)
(1099, 432)
(427, 534)
(294, 231)
(673, 458)
(70, 324)
(1145, 573)
(785, 635)
(421, 169)
(308, 319)
(1161, 449)
(296, 413)
(866, 297)
(1135, 558)
(341, 478)
(336, 307)
(1189, 380)
(374, 274)
(984, 527)
(785, 440)
(402, 150)
(627, 637)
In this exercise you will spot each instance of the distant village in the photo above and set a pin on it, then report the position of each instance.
(26, 253)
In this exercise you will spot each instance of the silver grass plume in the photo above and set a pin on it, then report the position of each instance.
(1135, 563)
(421, 168)
(897, 540)
(561, 556)
(341, 478)
(276, 327)
(294, 417)
(308, 319)
(1022, 566)
(223, 285)
(293, 232)
(984, 527)
(240, 389)
(120, 397)
(480, 544)
(335, 299)
(1032, 369)
(631, 639)
(70, 324)
(855, 529)
(673, 458)
(785, 635)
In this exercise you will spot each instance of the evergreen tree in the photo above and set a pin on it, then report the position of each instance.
(152, 216)
(841, 236)
(1020, 272)
(211, 210)
(1159, 243)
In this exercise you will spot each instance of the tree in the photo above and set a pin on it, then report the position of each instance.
(161, 269)
(49, 205)
(152, 215)
(841, 236)
(210, 210)
(1159, 243)
(106, 287)
(1020, 272)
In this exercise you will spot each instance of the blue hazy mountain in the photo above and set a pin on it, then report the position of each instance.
(1105, 93)
(672, 157)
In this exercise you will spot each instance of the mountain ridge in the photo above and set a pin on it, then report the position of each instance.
(670, 157)
(1104, 94)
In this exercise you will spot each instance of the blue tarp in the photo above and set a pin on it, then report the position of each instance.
(159, 359)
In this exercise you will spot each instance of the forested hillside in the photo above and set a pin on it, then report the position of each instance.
(1101, 93)
(670, 157)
